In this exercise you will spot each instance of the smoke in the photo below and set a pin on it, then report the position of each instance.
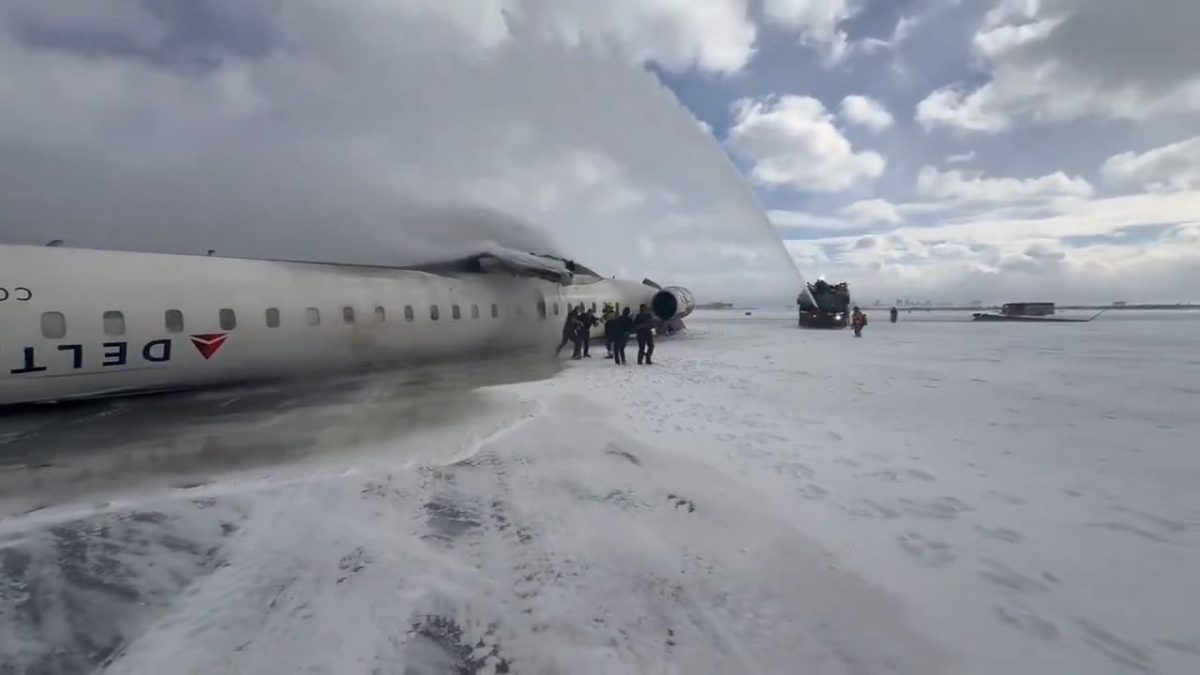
(368, 132)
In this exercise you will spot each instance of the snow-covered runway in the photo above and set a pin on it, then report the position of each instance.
(935, 497)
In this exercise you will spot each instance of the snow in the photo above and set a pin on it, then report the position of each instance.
(938, 496)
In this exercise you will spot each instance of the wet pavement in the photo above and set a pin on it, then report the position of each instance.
(50, 454)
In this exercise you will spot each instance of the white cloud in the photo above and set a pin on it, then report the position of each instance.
(866, 111)
(1171, 167)
(872, 211)
(923, 208)
(371, 132)
(1054, 60)
(1094, 218)
(856, 217)
(975, 187)
(817, 22)
(999, 259)
(903, 30)
(964, 158)
(714, 35)
(1187, 233)
(954, 108)
(807, 255)
(786, 218)
(793, 142)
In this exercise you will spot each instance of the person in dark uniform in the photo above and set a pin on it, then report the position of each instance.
(622, 325)
(587, 321)
(895, 314)
(568, 331)
(643, 324)
(610, 318)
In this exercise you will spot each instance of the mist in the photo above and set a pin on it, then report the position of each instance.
(365, 132)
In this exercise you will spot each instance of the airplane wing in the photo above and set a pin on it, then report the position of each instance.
(495, 260)
(518, 263)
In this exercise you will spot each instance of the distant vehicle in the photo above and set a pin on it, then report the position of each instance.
(1027, 309)
(824, 305)
(1031, 312)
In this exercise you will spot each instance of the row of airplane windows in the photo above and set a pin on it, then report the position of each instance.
(54, 324)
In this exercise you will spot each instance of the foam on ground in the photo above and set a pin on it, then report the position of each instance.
(938, 496)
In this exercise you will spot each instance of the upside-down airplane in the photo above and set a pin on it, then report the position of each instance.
(81, 323)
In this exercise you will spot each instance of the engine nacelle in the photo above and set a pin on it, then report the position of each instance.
(673, 303)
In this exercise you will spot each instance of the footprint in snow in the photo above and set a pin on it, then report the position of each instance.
(797, 469)
(927, 552)
(1116, 648)
(1000, 534)
(938, 507)
(680, 502)
(1004, 576)
(866, 508)
(1028, 623)
(352, 563)
(813, 491)
(903, 476)
(441, 642)
(623, 454)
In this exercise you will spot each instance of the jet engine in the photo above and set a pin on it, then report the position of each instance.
(673, 303)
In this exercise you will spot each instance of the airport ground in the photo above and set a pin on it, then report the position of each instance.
(938, 496)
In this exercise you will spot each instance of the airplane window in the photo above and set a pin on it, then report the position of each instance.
(313, 315)
(174, 320)
(433, 312)
(114, 323)
(456, 312)
(541, 309)
(495, 311)
(347, 315)
(228, 319)
(54, 325)
(380, 314)
(272, 317)
(474, 311)
(408, 313)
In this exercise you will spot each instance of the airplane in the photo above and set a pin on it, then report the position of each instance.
(84, 323)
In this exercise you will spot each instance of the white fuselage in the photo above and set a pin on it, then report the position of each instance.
(78, 323)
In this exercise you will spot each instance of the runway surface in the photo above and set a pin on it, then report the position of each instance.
(938, 496)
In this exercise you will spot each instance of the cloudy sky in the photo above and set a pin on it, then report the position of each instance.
(958, 150)
(918, 148)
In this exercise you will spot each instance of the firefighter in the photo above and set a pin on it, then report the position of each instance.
(857, 321)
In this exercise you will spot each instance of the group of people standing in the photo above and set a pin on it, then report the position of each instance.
(577, 330)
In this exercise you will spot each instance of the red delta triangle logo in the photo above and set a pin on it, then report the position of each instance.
(208, 343)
